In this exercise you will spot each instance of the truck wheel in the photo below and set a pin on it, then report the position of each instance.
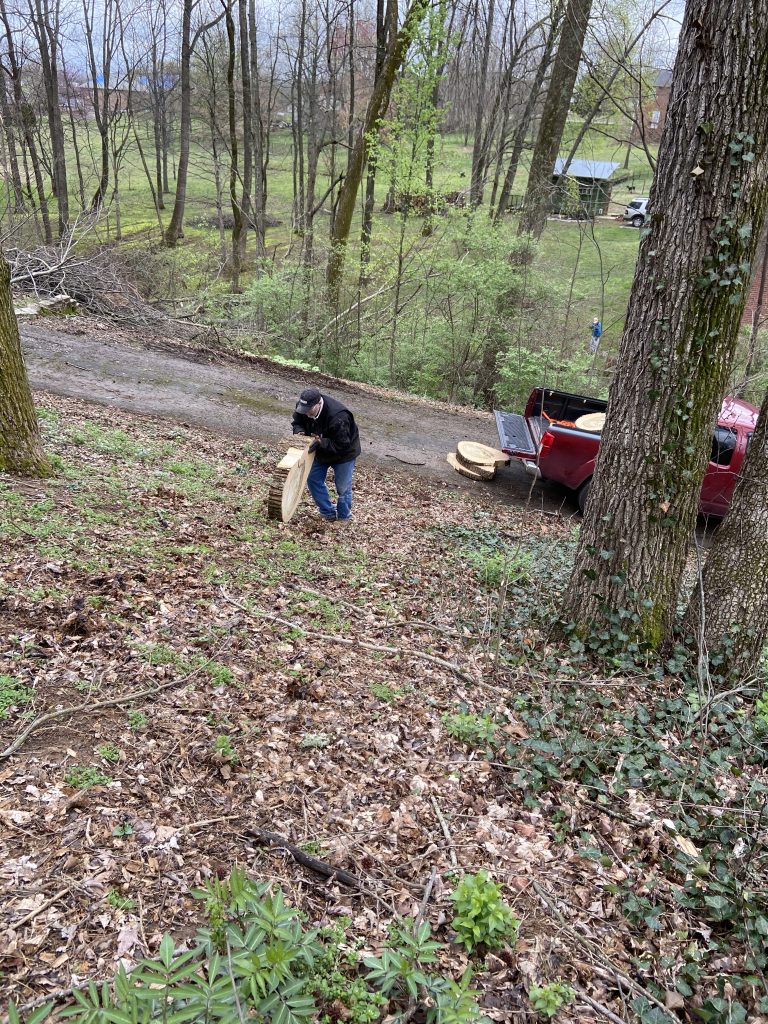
(637, 222)
(583, 496)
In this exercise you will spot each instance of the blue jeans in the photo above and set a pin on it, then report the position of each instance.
(342, 474)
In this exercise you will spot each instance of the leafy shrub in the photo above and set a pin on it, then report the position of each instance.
(223, 748)
(482, 917)
(474, 730)
(256, 960)
(548, 999)
(81, 776)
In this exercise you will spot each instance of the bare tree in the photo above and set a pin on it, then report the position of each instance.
(45, 18)
(553, 118)
(175, 231)
(26, 118)
(397, 46)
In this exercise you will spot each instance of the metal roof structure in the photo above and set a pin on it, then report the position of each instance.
(598, 170)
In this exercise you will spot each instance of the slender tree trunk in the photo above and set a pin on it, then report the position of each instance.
(377, 105)
(219, 189)
(434, 100)
(78, 160)
(26, 120)
(45, 22)
(175, 229)
(728, 614)
(245, 74)
(155, 91)
(299, 125)
(258, 141)
(691, 278)
(10, 139)
(370, 180)
(605, 88)
(237, 213)
(20, 448)
(476, 186)
(555, 113)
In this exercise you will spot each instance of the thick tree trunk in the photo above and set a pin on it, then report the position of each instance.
(728, 614)
(20, 449)
(553, 118)
(377, 105)
(707, 200)
(175, 229)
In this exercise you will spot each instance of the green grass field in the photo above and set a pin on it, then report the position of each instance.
(581, 269)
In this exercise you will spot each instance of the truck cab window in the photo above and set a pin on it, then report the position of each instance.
(723, 446)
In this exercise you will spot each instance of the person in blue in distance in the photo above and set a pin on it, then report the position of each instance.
(597, 330)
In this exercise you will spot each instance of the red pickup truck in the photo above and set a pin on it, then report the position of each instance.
(551, 447)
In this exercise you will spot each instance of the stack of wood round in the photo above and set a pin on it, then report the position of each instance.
(476, 461)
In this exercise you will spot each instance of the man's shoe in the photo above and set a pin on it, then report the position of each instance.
(329, 519)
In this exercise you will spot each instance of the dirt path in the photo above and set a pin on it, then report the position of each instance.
(231, 396)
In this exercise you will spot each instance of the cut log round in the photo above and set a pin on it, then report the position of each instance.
(592, 421)
(475, 473)
(287, 487)
(472, 453)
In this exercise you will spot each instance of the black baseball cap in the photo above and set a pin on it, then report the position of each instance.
(308, 399)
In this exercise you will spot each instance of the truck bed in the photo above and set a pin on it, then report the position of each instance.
(520, 435)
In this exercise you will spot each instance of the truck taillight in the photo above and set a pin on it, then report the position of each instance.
(546, 442)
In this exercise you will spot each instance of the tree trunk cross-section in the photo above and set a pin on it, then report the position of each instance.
(707, 203)
(287, 487)
(20, 450)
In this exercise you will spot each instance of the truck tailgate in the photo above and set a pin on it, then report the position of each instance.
(515, 435)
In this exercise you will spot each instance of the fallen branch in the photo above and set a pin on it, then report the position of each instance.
(446, 833)
(126, 698)
(273, 840)
(405, 462)
(609, 971)
(350, 642)
(35, 913)
(599, 1007)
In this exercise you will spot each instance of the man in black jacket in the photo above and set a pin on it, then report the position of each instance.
(337, 444)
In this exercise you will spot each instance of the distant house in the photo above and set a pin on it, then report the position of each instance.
(654, 113)
(584, 190)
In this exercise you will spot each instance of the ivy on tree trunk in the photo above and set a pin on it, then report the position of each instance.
(20, 449)
(707, 203)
